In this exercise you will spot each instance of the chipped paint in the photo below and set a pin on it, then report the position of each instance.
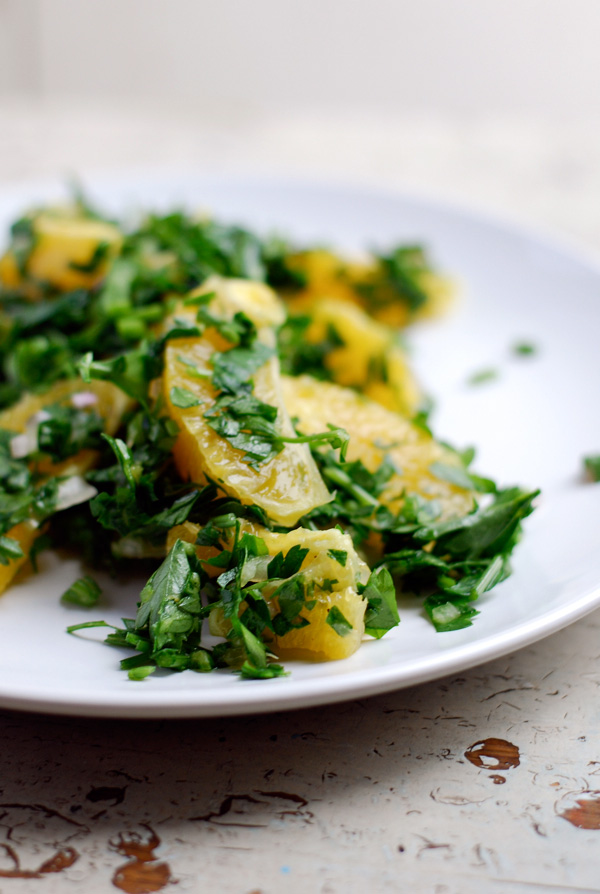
(493, 754)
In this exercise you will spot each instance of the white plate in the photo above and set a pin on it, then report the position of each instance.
(531, 426)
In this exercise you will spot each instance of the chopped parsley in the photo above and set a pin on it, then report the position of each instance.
(524, 349)
(85, 592)
(592, 466)
(183, 398)
(299, 356)
(483, 376)
(340, 555)
(237, 415)
(460, 558)
(338, 622)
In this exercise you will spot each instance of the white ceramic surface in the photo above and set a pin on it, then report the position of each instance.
(531, 426)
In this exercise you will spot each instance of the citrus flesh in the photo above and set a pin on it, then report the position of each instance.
(108, 401)
(287, 486)
(376, 432)
(328, 275)
(63, 242)
(370, 357)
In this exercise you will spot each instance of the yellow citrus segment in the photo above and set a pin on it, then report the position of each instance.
(62, 241)
(333, 585)
(319, 641)
(370, 357)
(228, 296)
(376, 432)
(330, 276)
(285, 487)
(110, 403)
(327, 276)
(188, 532)
(318, 564)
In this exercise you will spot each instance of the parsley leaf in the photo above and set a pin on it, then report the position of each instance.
(340, 555)
(183, 398)
(382, 608)
(65, 430)
(447, 615)
(10, 550)
(170, 605)
(483, 376)
(338, 622)
(85, 592)
(592, 466)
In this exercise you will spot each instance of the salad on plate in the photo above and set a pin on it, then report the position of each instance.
(236, 416)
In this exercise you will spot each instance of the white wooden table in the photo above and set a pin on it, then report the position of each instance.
(487, 781)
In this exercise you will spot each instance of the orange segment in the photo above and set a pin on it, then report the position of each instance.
(374, 433)
(327, 276)
(110, 404)
(330, 276)
(318, 641)
(62, 239)
(287, 486)
(370, 358)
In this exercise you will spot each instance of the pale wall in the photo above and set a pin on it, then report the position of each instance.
(456, 56)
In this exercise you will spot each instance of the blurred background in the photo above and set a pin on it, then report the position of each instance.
(496, 102)
(460, 57)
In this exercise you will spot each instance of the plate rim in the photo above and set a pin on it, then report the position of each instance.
(313, 693)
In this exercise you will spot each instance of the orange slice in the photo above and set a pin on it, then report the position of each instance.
(287, 486)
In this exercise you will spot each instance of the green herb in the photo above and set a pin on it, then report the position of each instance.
(282, 566)
(460, 557)
(592, 466)
(486, 531)
(170, 605)
(340, 555)
(338, 622)
(66, 430)
(291, 598)
(192, 369)
(88, 625)
(141, 672)
(249, 671)
(10, 550)
(23, 241)
(460, 477)
(49, 353)
(449, 615)
(483, 376)
(237, 415)
(382, 608)
(300, 356)
(524, 349)
(397, 278)
(141, 494)
(183, 398)
(24, 496)
(85, 592)
(130, 372)
(97, 257)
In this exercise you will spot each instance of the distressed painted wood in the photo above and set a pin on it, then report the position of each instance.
(391, 793)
